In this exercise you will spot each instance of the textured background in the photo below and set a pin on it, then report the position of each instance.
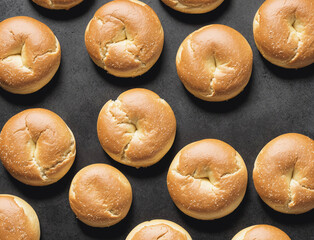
(276, 101)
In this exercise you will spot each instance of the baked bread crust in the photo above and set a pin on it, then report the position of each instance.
(215, 63)
(284, 173)
(158, 229)
(18, 220)
(207, 179)
(137, 129)
(57, 4)
(100, 195)
(261, 232)
(37, 147)
(283, 32)
(193, 6)
(30, 55)
(125, 37)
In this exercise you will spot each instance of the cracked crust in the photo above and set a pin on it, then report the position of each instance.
(18, 220)
(137, 129)
(57, 4)
(215, 63)
(158, 229)
(193, 6)
(283, 32)
(29, 55)
(37, 147)
(261, 232)
(207, 179)
(284, 174)
(100, 195)
(125, 38)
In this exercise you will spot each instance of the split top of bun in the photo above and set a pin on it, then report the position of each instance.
(193, 6)
(261, 232)
(158, 229)
(18, 220)
(37, 147)
(207, 179)
(125, 37)
(283, 32)
(30, 55)
(137, 129)
(284, 173)
(215, 63)
(57, 4)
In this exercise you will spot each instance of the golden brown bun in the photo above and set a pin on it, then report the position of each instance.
(30, 55)
(215, 63)
(100, 195)
(18, 220)
(261, 232)
(57, 4)
(37, 147)
(193, 6)
(284, 173)
(207, 179)
(125, 37)
(137, 129)
(283, 32)
(158, 229)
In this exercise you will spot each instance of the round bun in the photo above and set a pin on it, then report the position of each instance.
(193, 6)
(18, 220)
(57, 4)
(137, 129)
(283, 32)
(284, 173)
(158, 229)
(207, 179)
(37, 147)
(100, 195)
(215, 63)
(29, 55)
(125, 37)
(261, 232)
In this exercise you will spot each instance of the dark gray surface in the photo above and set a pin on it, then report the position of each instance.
(276, 101)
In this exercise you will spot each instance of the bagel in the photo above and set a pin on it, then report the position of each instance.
(284, 173)
(37, 147)
(158, 229)
(125, 37)
(207, 179)
(193, 6)
(214, 63)
(100, 195)
(18, 220)
(261, 232)
(137, 129)
(30, 55)
(283, 32)
(57, 4)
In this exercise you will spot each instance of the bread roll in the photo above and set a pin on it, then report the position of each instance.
(283, 32)
(207, 179)
(58, 4)
(158, 229)
(215, 63)
(125, 37)
(137, 129)
(18, 220)
(100, 195)
(284, 173)
(193, 6)
(29, 55)
(37, 147)
(261, 232)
